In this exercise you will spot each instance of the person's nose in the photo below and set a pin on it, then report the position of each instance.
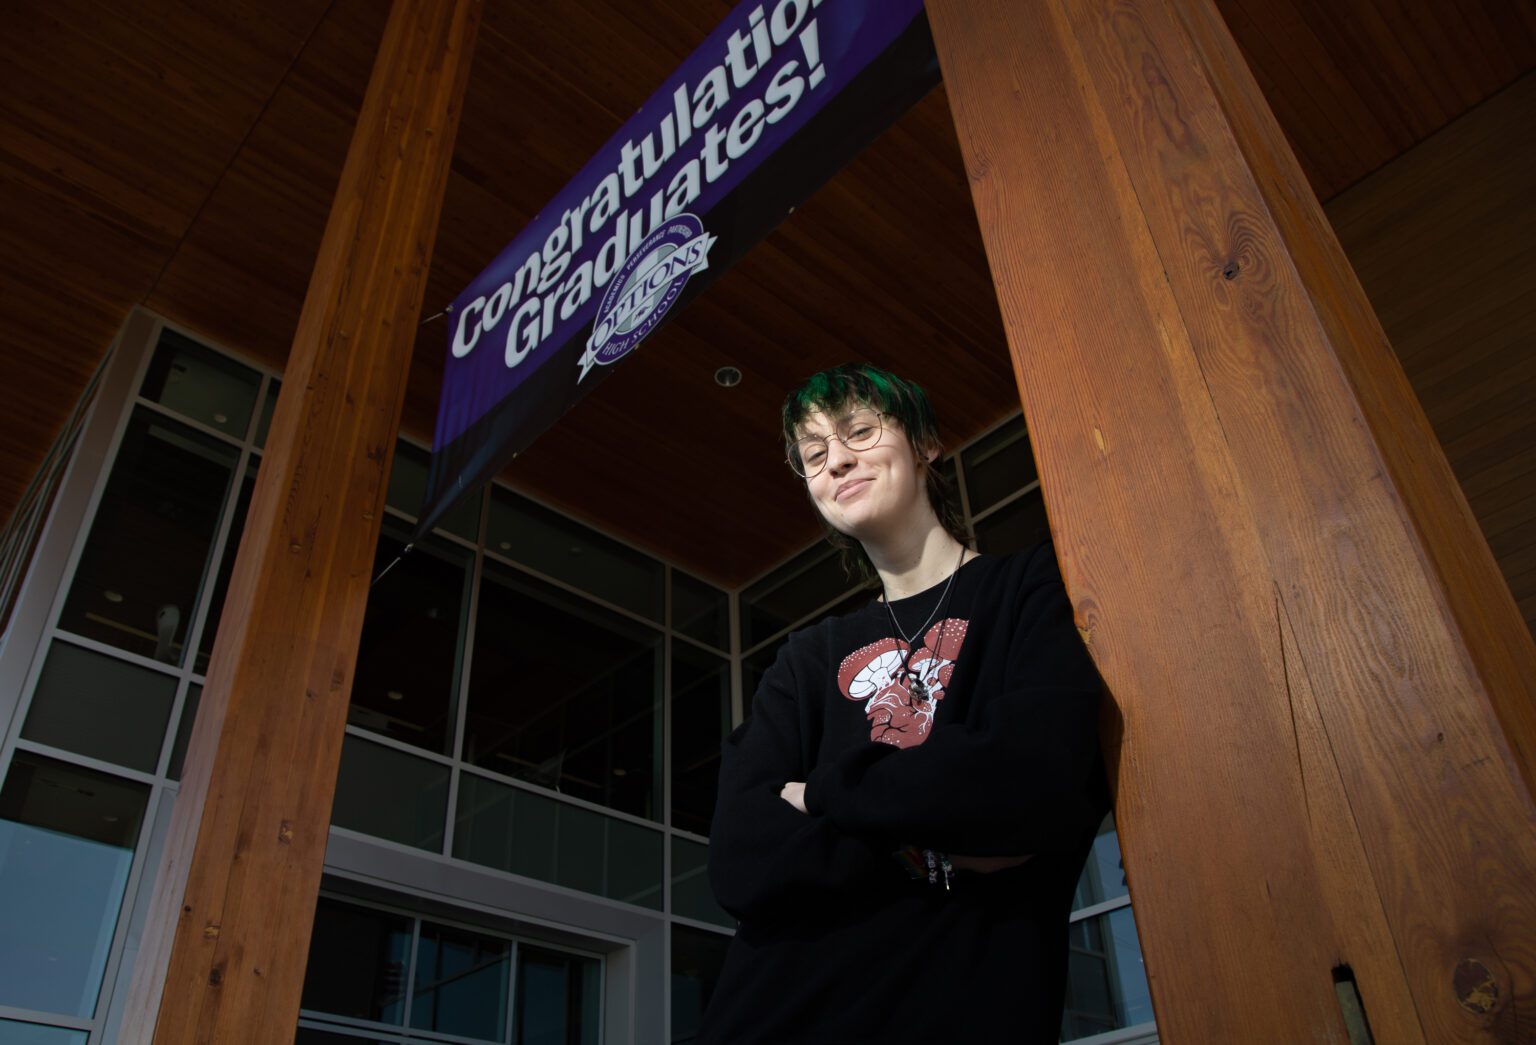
(839, 458)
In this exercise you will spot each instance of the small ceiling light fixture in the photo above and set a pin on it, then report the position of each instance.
(112, 596)
(395, 694)
(222, 419)
(727, 377)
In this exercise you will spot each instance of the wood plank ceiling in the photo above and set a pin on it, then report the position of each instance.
(182, 156)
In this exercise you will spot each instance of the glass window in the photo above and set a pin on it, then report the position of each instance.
(559, 998)
(96, 705)
(565, 694)
(199, 383)
(184, 731)
(515, 830)
(997, 464)
(1018, 525)
(701, 611)
(67, 836)
(407, 679)
(388, 794)
(692, 896)
(408, 488)
(226, 567)
(461, 983)
(310, 1035)
(557, 547)
(138, 581)
(268, 406)
(792, 592)
(1103, 876)
(1106, 983)
(697, 958)
(357, 962)
(14, 1032)
(701, 718)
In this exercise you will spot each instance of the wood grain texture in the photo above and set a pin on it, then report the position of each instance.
(1442, 241)
(183, 157)
(227, 940)
(1324, 758)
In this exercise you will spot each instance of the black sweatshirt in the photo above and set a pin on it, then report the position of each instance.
(837, 942)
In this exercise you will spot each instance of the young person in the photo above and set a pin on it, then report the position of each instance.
(903, 816)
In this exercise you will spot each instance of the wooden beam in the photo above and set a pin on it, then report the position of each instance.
(224, 952)
(1327, 697)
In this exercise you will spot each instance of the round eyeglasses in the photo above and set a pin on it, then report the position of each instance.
(858, 431)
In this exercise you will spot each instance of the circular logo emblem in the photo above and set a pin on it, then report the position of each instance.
(645, 287)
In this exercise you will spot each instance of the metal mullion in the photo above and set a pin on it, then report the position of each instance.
(598, 528)
(737, 699)
(436, 533)
(119, 392)
(1017, 495)
(12, 1012)
(649, 622)
(511, 1008)
(808, 618)
(989, 431)
(126, 907)
(1109, 906)
(408, 986)
(180, 418)
(962, 491)
(694, 923)
(558, 796)
(116, 652)
(689, 836)
(706, 647)
(1136, 1034)
(362, 733)
(205, 594)
(466, 661)
(60, 754)
(205, 342)
(666, 731)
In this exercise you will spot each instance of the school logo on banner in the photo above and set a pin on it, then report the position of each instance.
(645, 288)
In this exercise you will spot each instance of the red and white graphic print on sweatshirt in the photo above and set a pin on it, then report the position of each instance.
(874, 674)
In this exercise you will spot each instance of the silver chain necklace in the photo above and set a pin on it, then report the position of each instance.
(916, 685)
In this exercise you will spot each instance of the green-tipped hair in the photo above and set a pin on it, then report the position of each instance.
(831, 392)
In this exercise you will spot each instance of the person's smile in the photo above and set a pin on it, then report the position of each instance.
(850, 487)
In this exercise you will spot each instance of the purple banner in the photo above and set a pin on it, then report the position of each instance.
(604, 261)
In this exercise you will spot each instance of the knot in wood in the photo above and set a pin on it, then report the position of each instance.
(1230, 270)
(285, 832)
(211, 930)
(1476, 989)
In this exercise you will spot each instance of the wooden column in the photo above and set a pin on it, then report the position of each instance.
(1327, 698)
(224, 952)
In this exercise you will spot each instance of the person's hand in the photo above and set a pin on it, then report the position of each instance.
(794, 793)
(986, 864)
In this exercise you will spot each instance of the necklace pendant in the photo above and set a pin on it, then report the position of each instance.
(918, 688)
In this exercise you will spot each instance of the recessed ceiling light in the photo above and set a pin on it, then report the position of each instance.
(112, 596)
(727, 377)
(395, 694)
(505, 545)
(620, 771)
(222, 419)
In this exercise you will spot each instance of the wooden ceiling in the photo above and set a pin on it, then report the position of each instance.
(182, 156)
